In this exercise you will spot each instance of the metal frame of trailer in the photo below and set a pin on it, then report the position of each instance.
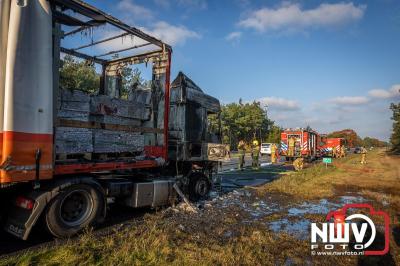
(80, 17)
(58, 189)
(32, 190)
(161, 53)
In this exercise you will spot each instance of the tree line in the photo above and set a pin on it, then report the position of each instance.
(354, 140)
(247, 121)
(395, 137)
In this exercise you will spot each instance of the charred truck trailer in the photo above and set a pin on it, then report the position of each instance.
(66, 153)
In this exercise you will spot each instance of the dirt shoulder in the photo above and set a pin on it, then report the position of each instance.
(266, 225)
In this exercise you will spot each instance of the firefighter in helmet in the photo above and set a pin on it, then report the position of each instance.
(363, 155)
(242, 153)
(273, 153)
(342, 151)
(291, 144)
(255, 152)
(298, 164)
(334, 152)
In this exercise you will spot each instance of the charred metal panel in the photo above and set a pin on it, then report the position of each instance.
(105, 105)
(184, 89)
(188, 120)
(216, 152)
(209, 103)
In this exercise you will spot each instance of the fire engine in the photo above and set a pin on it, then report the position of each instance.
(306, 143)
(331, 146)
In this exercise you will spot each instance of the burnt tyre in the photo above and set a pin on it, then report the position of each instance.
(199, 187)
(74, 209)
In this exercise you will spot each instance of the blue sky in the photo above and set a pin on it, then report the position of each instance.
(328, 64)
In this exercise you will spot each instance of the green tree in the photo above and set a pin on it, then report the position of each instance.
(244, 121)
(373, 142)
(395, 137)
(274, 134)
(131, 77)
(79, 75)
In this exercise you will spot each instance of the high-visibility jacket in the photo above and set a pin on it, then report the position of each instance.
(273, 149)
(291, 142)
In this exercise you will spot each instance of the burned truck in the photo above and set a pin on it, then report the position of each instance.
(67, 153)
(194, 135)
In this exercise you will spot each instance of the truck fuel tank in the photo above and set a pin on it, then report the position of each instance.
(151, 194)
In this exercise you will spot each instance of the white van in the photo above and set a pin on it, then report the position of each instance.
(265, 149)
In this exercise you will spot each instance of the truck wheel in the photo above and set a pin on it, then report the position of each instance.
(199, 187)
(74, 209)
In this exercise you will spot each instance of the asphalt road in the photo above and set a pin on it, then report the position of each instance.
(234, 162)
(230, 178)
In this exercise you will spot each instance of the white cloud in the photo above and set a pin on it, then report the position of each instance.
(393, 92)
(193, 4)
(234, 36)
(279, 103)
(134, 11)
(242, 3)
(372, 119)
(292, 17)
(163, 3)
(131, 12)
(187, 4)
(119, 43)
(170, 34)
(349, 100)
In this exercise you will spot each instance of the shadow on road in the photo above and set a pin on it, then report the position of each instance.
(248, 177)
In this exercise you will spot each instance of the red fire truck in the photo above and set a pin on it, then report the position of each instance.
(331, 146)
(306, 143)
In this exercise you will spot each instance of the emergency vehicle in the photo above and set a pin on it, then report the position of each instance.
(306, 143)
(331, 146)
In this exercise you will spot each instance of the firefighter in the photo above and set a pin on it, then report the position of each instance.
(255, 151)
(363, 155)
(334, 152)
(291, 143)
(273, 153)
(342, 152)
(242, 153)
(298, 164)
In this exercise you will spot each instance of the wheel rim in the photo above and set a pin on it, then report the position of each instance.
(201, 188)
(76, 208)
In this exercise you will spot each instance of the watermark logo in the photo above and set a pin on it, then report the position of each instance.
(347, 233)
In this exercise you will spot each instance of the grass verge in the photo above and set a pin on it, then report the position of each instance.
(230, 236)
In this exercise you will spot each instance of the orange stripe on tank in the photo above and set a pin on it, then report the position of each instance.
(22, 136)
(21, 148)
(1, 145)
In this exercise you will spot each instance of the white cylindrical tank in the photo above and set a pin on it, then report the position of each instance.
(4, 19)
(28, 103)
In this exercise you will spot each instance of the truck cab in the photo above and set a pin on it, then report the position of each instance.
(194, 127)
(194, 135)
